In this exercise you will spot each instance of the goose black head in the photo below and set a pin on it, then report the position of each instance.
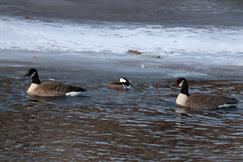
(34, 75)
(31, 73)
(180, 81)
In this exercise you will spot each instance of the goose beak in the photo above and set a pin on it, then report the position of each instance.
(26, 75)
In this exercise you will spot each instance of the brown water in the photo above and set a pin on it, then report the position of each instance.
(107, 125)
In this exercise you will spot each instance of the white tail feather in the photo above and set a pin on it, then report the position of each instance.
(72, 94)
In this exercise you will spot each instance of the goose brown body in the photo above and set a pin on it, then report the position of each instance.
(201, 101)
(50, 88)
(205, 101)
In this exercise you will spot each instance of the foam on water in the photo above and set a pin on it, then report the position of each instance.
(208, 43)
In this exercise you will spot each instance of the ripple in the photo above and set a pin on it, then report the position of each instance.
(140, 125)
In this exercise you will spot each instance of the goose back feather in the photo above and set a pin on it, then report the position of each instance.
(51, 88)
(205, 101)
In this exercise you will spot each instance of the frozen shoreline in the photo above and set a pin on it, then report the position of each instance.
(132, 66)
(208, 45)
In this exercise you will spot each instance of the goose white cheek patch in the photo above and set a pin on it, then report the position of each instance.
(180, 85)
(33, 74)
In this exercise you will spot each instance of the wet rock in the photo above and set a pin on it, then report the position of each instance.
(134, 52)
(28, 17)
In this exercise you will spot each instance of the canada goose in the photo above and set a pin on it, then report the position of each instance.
(50, 88)
(124, 84)
(201, 101)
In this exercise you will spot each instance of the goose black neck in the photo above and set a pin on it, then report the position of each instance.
(184, 88)
(35, 79)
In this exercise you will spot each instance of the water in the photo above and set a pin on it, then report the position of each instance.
(199, 40)
(141, 124)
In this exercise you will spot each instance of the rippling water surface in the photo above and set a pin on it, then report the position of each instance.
(86, 43)
(142, 124)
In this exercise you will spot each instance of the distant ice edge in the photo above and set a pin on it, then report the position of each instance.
(209, 43)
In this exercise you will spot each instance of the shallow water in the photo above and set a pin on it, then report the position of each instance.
(141, 124)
